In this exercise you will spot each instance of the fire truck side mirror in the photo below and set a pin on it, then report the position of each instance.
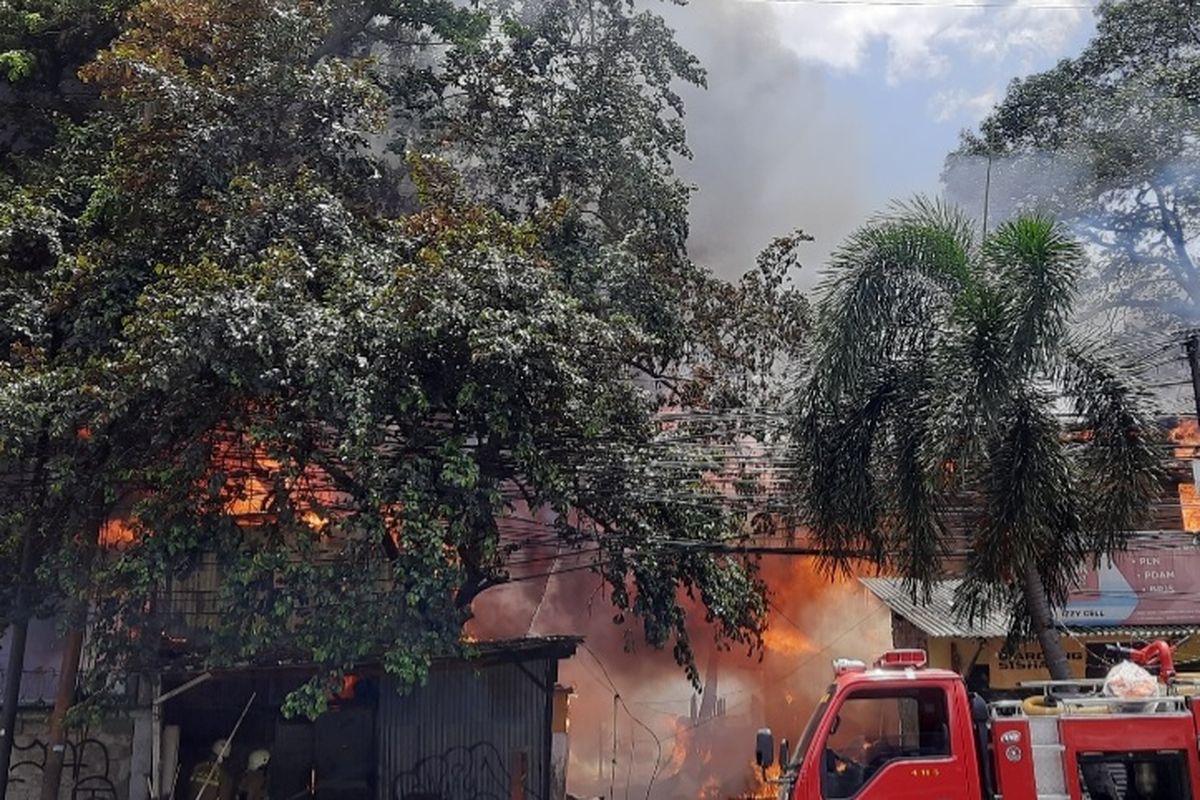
(784, 750)
(764, 748)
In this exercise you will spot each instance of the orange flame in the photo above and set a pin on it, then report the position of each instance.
(1186, 436)
(115, 533)
(759, 788)
(1189, 505)
(787, 641)
(252, 479)
(681, 744)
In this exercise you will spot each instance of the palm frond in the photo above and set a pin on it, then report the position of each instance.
(839, 481)
(916, 530)
(890, 287)
(1033, 510)
(972, 383)
(1120, 464)
(935, 378)
(1035, 265)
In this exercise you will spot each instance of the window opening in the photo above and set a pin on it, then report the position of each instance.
(1134, 776)
(877, 727)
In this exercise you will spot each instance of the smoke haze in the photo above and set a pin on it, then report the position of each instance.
(678, 743)
(773, 149)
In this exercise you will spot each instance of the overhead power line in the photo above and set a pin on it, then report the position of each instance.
(617, 698)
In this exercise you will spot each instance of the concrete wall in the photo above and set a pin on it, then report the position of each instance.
(99, 760)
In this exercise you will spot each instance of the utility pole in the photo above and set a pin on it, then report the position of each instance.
(987, 193)
(1193, 357)
(63, 700)
(612, 776)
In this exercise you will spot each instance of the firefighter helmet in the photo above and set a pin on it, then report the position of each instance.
(258, 759)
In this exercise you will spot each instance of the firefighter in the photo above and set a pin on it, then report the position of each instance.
(253, 785)
(210, 780)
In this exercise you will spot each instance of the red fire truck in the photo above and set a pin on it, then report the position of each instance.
(903, 731)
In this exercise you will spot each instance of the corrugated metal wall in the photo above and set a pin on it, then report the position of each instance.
(467, 732)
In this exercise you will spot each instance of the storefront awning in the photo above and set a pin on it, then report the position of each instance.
(941, 617)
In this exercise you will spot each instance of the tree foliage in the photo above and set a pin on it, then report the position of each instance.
(1108, 141)
(932, 428)
(319, 292)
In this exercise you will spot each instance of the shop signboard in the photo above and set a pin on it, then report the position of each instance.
(1139, 587)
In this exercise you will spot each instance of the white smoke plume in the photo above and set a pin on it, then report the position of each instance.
(773, 148)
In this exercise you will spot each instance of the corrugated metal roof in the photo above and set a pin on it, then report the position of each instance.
(1140, 633)
(486, 651)
(938, 617)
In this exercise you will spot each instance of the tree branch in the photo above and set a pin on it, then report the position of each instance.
(346, 29)
(1173, 229)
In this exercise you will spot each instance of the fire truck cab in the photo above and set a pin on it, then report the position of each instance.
(903, 731)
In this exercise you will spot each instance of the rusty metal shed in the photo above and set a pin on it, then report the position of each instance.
(481, 728)
(478, 729)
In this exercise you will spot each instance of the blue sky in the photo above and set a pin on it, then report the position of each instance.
(917, 119)
(817, 115)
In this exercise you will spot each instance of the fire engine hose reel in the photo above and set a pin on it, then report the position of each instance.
(1041, 707)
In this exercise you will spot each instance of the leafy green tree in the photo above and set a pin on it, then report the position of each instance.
(934, 418)
(271, 302)
(1108, 142)
(43, 43)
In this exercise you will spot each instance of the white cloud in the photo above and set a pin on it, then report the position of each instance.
(958, 105)
(920, 40)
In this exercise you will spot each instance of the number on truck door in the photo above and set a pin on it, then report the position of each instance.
(875, 728)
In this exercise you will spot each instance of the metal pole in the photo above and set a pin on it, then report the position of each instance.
(1193, 356)
(156, 713)
(155, 778)
(225, 750)
(987, 193)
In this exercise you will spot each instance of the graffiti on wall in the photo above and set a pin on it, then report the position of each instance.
(85, 767)
(477, 772)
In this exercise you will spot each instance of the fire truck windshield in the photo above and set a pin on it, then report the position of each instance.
(810, 729)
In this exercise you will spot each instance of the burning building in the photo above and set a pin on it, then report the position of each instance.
(491, 726)
(637, 725)
(479, 728)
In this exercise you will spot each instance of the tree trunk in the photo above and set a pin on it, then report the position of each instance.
(63, 700)
(68, 675)
(1037, 604)
(22, 606)
(1096, 778)
(16, 660)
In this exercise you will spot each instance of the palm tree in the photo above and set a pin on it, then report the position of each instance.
(951, 409)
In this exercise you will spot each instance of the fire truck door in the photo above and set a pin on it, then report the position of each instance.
(895, 743)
